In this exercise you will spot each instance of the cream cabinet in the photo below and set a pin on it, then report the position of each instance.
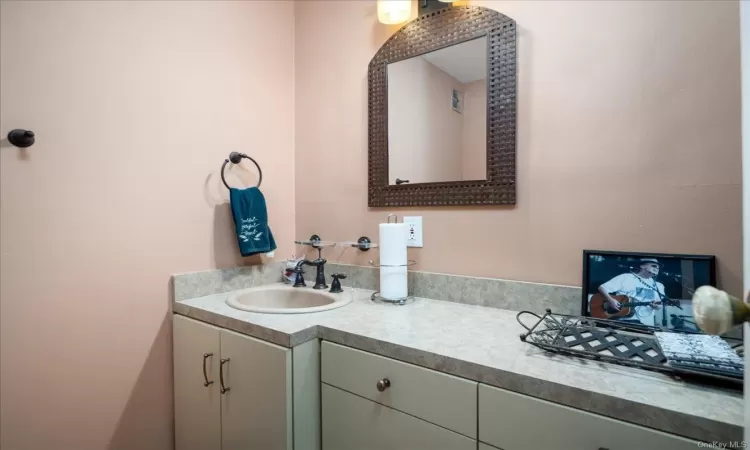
(438, 398)
(351, 422)
(376, 403)
(234, 392)
(197, 403)
(514, 421)
(256, 406)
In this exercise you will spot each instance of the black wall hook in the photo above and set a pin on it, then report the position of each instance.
(21, 138)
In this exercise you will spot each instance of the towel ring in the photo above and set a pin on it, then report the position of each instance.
(235, 158)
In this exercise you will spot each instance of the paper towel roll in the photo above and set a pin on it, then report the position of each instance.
(393, 280)
(393, 283)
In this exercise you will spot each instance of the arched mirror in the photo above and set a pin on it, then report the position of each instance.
(442, 111)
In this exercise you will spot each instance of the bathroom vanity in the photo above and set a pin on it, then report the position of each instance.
(429, 375)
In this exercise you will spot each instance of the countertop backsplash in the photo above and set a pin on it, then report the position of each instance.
(489, 292)
(208, 282)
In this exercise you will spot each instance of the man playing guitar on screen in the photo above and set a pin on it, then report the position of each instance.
(640, 286)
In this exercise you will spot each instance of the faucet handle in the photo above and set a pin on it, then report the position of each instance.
(336, 284)
(299, 280)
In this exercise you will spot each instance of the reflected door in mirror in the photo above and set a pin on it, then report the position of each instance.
(437, 115)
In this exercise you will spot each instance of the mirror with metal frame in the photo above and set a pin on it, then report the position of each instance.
(442, 110)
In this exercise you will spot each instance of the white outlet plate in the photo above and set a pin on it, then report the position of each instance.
(414, 228)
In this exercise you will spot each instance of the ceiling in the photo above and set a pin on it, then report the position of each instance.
(465, 62)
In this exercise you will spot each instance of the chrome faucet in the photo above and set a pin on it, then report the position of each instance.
(320, 278)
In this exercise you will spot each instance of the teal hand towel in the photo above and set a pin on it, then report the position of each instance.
(251, 221)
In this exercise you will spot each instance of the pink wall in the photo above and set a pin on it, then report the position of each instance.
(135, 106)
(628, 138)
(424, 133)
(474, 131)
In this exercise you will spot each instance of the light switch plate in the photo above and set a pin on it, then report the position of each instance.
(414, 228)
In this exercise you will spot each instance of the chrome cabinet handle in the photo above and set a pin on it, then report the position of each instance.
(206, 383)
(221, 375)
(383, 384)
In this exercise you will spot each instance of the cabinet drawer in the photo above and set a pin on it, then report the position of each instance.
(518, 422)
(442, 399)
(351, 422)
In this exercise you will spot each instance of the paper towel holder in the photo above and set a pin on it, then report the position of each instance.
(377, 298)
(410, 262)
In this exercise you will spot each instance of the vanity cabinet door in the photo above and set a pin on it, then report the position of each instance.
(196, 406)
(351, 422)
(256, 410)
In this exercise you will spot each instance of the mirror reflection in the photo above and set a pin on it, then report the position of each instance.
(437, 115)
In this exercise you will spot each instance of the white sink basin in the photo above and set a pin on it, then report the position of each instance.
(285, 299)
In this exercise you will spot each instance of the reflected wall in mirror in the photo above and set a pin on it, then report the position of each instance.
(437, 115)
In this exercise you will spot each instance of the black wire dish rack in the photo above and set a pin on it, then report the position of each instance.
(624, 344)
